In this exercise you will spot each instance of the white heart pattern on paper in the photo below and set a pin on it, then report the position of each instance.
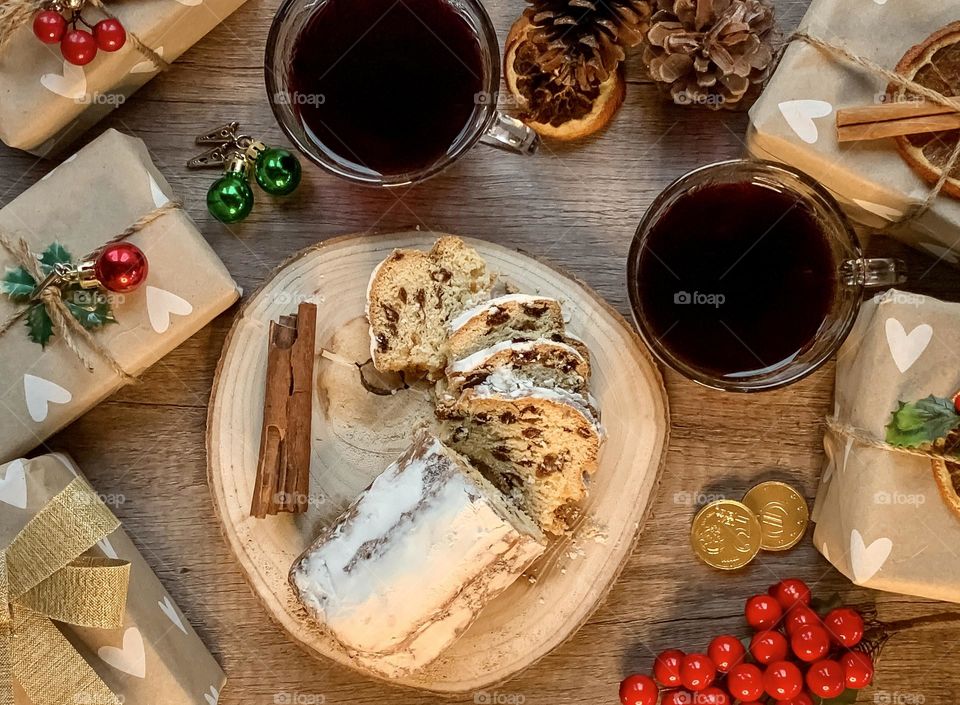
(72, 84)
(867, 560)
(159, 197)
(940, 252)
(190, 3)
(148, 66)
(907, 349)
(880, 2)
(131, 658)
(13, 486)
(169, 609)
(213, 697)
(161, 304)
(799, 115)
(108, 550)
(885, 212)
(40, 393)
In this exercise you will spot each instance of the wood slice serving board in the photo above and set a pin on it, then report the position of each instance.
(356, 434)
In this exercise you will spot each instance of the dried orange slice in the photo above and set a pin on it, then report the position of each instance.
(574, 114)
(934, 63)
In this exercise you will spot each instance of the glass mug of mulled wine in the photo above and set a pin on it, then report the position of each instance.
(747, 276)
(388, 92)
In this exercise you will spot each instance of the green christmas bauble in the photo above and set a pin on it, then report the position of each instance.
(277, 171)
(230, 199)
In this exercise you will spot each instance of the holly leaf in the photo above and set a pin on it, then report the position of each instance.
(847, 697)
(18, 284)
(91, 308)
(822, 605)
(55, 254)
(39, 325)
(917, 423)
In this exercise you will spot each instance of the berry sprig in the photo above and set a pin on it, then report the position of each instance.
(60, 22)
(796, 656)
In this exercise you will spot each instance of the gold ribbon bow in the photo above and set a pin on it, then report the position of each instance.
(44, 576)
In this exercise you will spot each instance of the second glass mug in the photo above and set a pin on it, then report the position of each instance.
(855, 272)
(486, 124)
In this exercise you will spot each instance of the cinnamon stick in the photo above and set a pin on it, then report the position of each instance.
(283, 469)
(873, 122)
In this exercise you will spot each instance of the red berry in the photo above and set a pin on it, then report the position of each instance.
(810, 643)
(711, 696)
(845, 625)
(800, 698)
(745, 682)
(857, 669)
(697, 672)
(956, 402)
(800, 616)
(677, 697)
(825, 678)
(638, 690)
(762, 611)
(666, 667)
(725, 651)
(782, 680)
(78, 47)
(789, 592)
(49, 26)
(768, 647)
(121, 267)
(110, 34)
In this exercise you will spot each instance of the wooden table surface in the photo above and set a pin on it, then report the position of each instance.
(574, 206)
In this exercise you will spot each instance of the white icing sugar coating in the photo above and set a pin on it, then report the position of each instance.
(489, 305)
(407, 568)
(479, 358)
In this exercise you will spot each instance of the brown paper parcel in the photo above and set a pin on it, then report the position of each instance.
(46, 103)
(155, 657)
(880, 517)
(83, 203)
(794, 121)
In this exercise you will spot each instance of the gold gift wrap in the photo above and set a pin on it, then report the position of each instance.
(794, 121)
(881, 519)
(46, 103)
(87, 620)
(84, 203)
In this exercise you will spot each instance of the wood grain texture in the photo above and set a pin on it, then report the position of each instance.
(356, 435)
(576, 206)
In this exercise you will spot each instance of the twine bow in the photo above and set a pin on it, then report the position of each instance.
(16, 13)
(44, 576)
(836, 51)
(865, 438)
(65, 325)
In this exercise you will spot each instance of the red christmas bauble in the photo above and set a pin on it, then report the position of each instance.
(110, 34)
(121, 267)
(49, 26)
(79, 47)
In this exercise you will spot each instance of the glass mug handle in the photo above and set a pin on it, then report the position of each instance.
(874, 272)
(510, 134)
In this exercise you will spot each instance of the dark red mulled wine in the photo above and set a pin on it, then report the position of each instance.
(386, 86)
(736, 279)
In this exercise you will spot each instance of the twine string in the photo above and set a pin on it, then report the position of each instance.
(64, 323)
(839, 52)
(867, 439)
(16, 13)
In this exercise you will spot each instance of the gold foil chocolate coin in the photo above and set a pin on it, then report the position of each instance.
(726, 534)
(782, 512)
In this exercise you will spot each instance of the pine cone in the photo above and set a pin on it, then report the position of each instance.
(564, 51)
(715, 53)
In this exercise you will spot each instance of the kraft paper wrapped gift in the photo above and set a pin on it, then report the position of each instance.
(150, 654)
(794, 121)
(84, 203)
(46, 103)
(881, 519)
